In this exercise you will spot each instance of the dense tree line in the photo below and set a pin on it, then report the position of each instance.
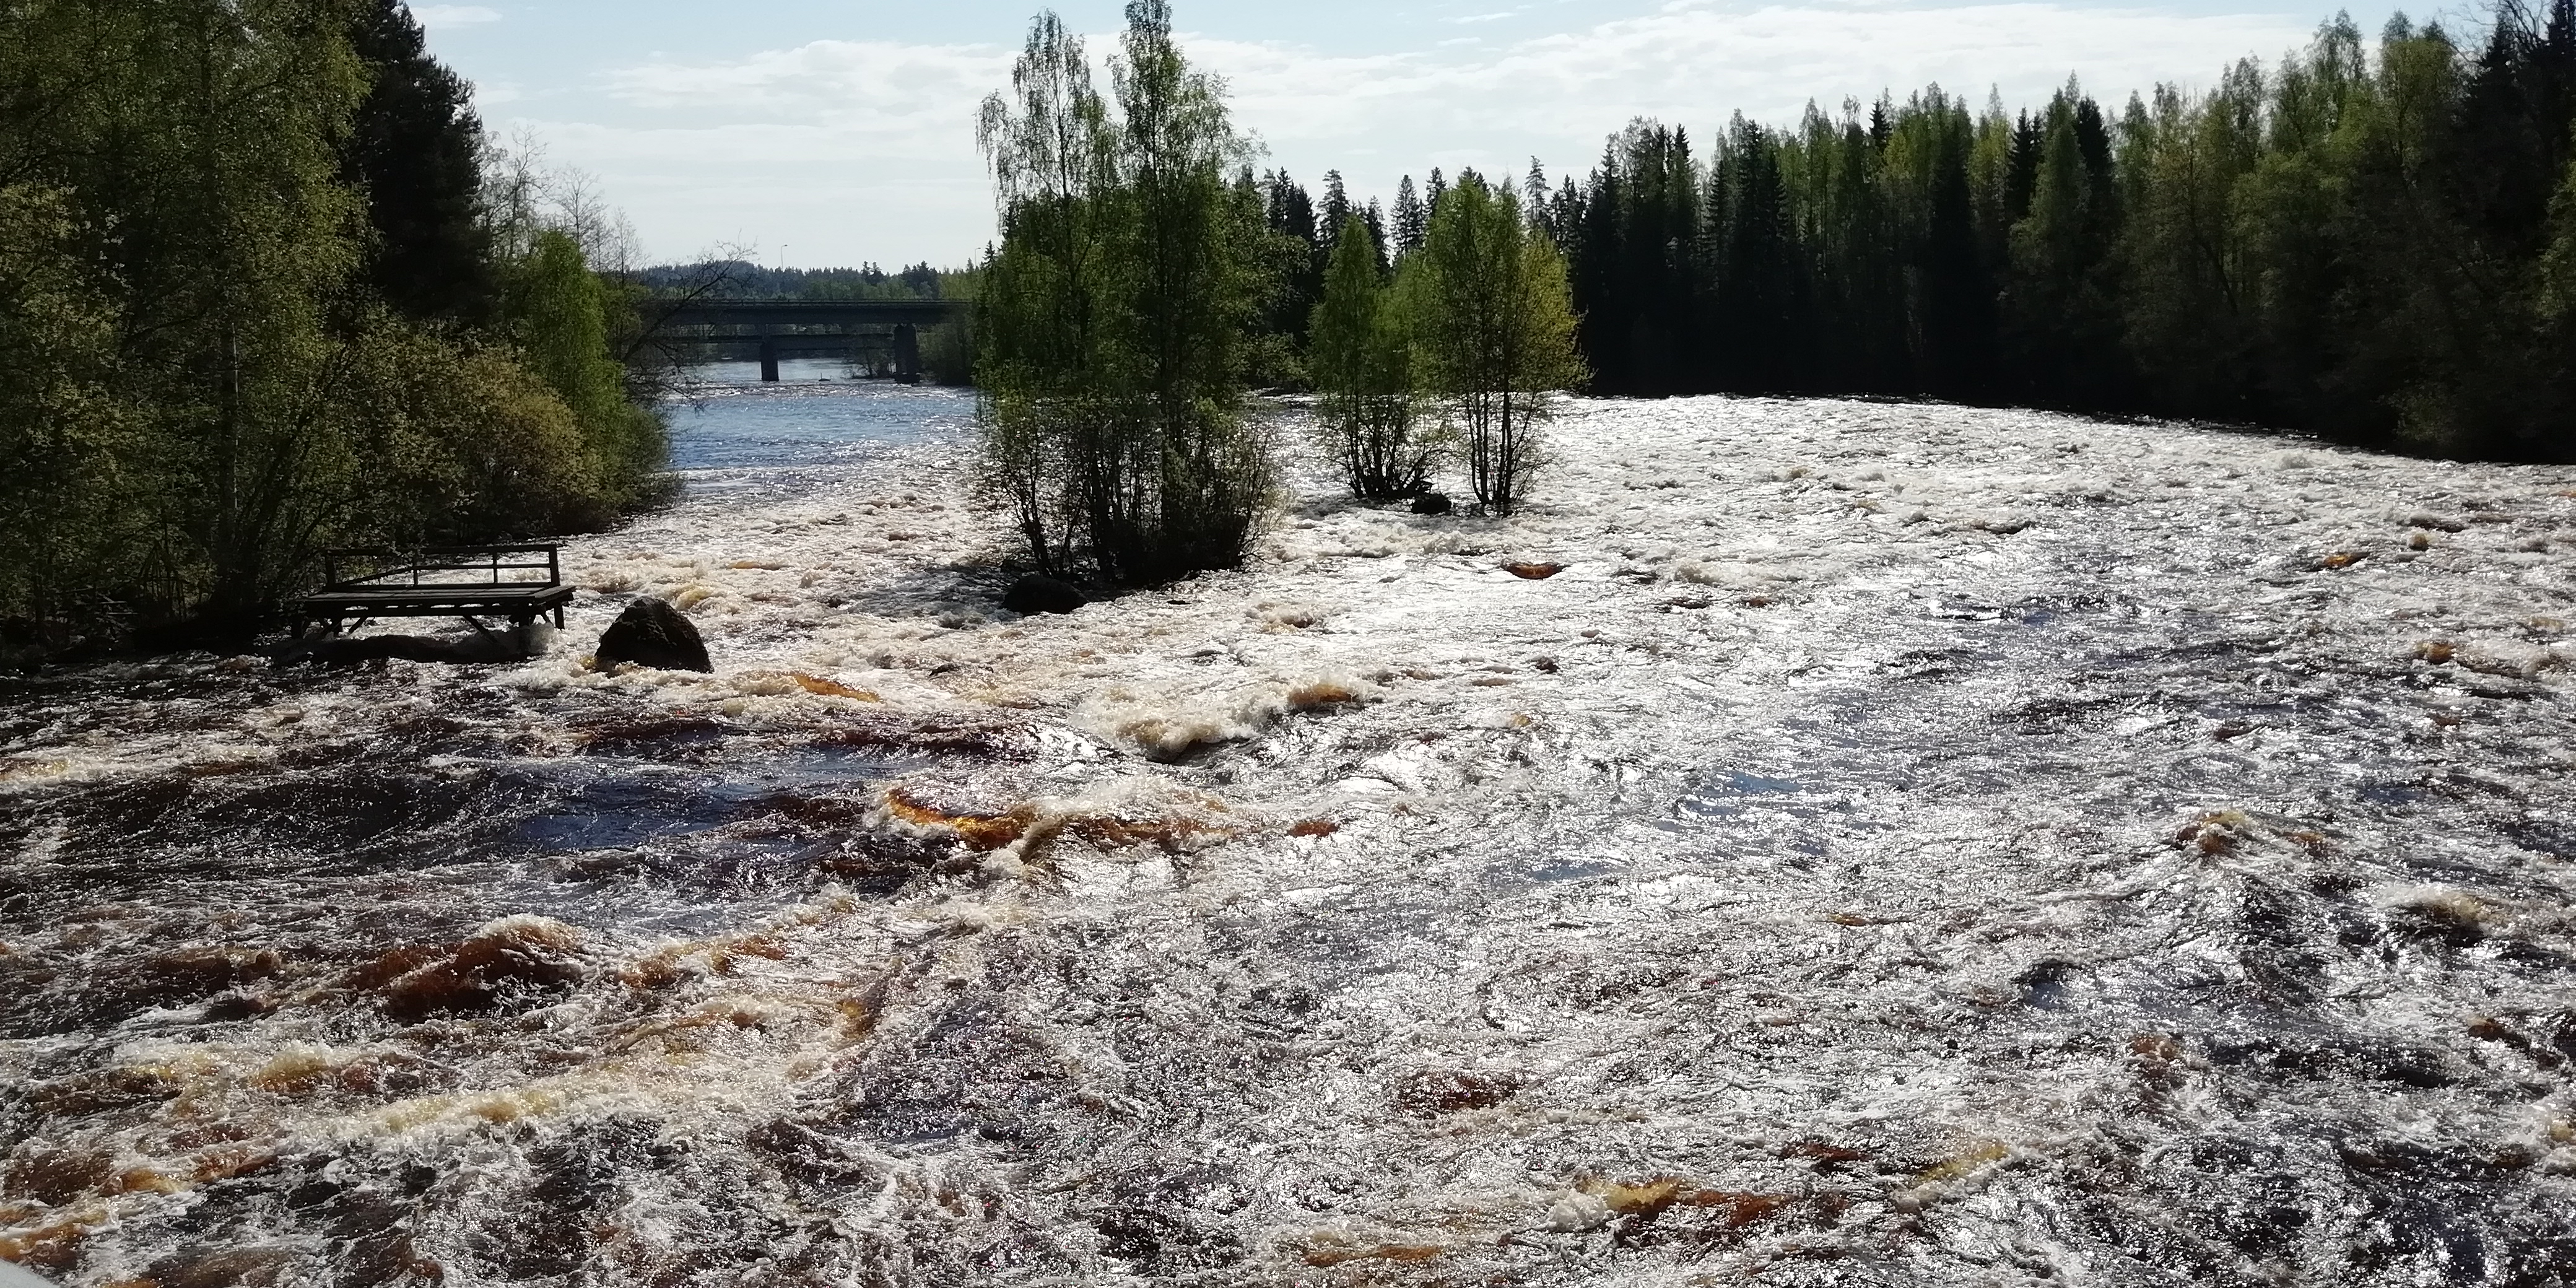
(742, 279)
(264, 288)
(2373, 247)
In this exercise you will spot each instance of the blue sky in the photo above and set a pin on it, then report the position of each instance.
(818, 132)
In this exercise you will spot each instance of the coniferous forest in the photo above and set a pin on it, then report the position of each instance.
(2376, 245)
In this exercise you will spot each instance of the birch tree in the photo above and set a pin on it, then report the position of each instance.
(1488, 304)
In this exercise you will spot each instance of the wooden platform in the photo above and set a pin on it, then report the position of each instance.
(469, 582)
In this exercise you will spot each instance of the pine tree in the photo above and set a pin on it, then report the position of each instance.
(415, 149)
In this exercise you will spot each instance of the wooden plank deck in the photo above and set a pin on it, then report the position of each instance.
(480, 581)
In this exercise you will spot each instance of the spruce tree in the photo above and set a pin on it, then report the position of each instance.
(2022, 172)
(414, 148)
(1336, 210)
(1412, 219)
(1301, 255)
(1760, 285)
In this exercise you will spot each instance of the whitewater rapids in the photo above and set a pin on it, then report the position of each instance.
(1898, 845)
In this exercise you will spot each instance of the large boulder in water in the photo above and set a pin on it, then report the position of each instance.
(1038, 593)
(652, 633)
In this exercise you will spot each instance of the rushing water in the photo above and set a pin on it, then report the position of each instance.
(1904, 845)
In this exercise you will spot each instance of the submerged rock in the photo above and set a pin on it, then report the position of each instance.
(652, 633)
(1431, 503)
(1039, 593)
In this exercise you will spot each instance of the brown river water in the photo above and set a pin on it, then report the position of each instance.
(1900, 845)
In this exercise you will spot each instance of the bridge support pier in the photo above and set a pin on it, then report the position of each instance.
(907, 354)
(768, 360)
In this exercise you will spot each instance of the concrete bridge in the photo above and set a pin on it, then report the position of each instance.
(789, 328)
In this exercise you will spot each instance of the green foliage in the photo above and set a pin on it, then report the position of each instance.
(204, 384)
(414, 150)
(463, 441)
(742, 279)
(948, 353)
(2061, 301)
(2558, 266)
(64, 506)
(2376, 247)
(1112, 325)
(1493, 327)
(1360, 355)
(561, 316)
(195, 143)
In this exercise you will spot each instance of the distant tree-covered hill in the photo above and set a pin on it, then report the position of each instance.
(743, 280)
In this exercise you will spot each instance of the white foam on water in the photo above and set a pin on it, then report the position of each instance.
(1903, 844)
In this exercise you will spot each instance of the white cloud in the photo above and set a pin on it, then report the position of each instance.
(870, 84)
(435, 16)
(1697, 63)
(867, 147)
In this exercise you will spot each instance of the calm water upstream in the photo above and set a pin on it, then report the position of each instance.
(814, 416)
(1897, 845)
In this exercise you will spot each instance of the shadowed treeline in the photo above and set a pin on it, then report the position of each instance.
(2379, 247)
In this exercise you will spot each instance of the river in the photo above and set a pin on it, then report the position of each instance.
(1898, 844)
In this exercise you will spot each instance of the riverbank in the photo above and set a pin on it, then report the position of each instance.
(1944, 842)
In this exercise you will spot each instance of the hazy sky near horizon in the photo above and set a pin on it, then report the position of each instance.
(830, 132)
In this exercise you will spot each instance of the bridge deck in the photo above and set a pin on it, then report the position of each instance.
(468, 583)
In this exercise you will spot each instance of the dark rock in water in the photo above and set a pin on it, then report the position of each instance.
(1038, 593)
(652, 633)
(1431, 503)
